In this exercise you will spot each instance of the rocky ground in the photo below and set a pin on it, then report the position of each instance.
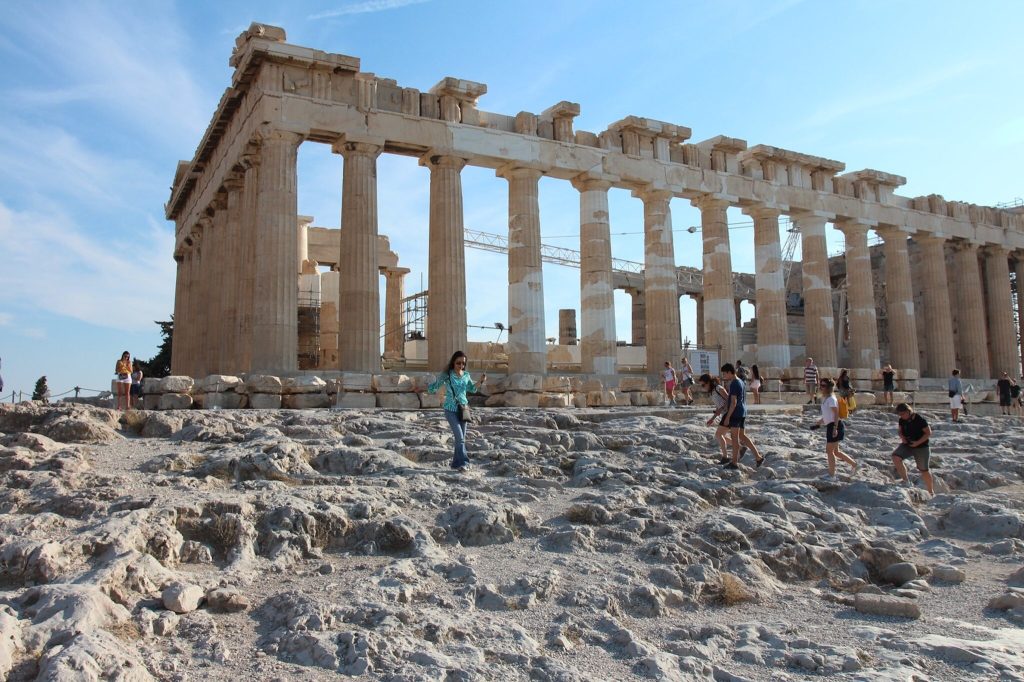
(581, 545)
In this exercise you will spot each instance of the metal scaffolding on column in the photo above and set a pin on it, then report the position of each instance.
(309, 329)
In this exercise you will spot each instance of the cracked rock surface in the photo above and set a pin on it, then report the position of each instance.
(580, 545)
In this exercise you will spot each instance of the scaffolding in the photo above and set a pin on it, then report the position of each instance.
(414, 312)
(309, 329)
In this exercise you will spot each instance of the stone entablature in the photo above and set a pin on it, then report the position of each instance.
(278, 84)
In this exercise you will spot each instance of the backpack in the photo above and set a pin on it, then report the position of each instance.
(743, 373)
(844, 408)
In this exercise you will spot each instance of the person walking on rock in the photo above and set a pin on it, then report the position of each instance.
(736, 417)
(888, 384)
(914, 436)
(835, 429)
(686, 370)
(1015, 397)
(669, 377)
(123, 370)
(720, 399)
(458, 384)
(956, 395)
(1004, 388)
(811, 380)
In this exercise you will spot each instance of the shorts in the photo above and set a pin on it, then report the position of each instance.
(136, 389)
(670, 386)
(1004, 401)
(687, 382)
(755, 385)
(126, 379)
(735, 422)
(811, 385)
(835, 432)
(956, 401)
(889, 388)
(921, 455)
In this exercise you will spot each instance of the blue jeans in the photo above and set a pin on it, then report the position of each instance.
(459, 430)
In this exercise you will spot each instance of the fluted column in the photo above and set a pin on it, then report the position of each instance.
(939, 357)
(860, 293)
(275, 313)
(899, 300)
(597, 302)
(1002, 337)
(527, 352)
(180, 322)
(188, 324)
(969, 304)
(232, 265)
(819, 319)
(661, 291)
(1019, 270)
(394, 322)
(699, 300)
(247, 259)
(719, 306)
(359, 279)
(446, 304)
(638, 316)
(201, 299)
(770, 283)
(218, 276)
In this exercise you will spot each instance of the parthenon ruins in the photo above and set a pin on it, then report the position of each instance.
(941, 287)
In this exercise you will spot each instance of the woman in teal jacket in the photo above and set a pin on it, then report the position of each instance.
(458, 385)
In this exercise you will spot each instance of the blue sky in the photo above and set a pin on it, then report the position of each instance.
(100, 100)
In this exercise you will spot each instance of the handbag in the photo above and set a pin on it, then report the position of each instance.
(465, 414)
(952, 393)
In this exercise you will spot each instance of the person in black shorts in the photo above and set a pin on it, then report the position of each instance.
(888, 384)
(914, 436)
(736, 416)
(1003, 387)
(1015, 397)
(835, 429)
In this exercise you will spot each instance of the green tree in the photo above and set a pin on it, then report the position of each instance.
(41, 391)
(160, 364)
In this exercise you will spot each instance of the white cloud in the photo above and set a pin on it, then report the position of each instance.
(52, 264)
(366, 7)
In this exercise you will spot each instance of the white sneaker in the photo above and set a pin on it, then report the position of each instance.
(829, 478)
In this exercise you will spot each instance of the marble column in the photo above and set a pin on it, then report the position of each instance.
(394, 319)
(359, 279)
(1018, 268)
(275, 290)
(860, 294)
(899, 301)
(939, 357)
(188, 323)
(661, 290)
(216, 322)
(1002, 337)
(201, 299)
(719, 306)
(233, 185)
(180, 322)
(700, 320)
(968, 302)
(770, 283)
(527, 352)
(638, 310)
(446, 281)
(597, 302)
(247, 260)
(819, 319)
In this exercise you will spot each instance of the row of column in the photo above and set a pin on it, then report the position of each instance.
(236, 293)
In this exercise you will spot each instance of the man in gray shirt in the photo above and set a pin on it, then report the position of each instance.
(956, 395)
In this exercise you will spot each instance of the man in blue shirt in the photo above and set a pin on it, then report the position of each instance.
(735, 417)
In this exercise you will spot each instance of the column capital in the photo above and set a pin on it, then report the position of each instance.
(589, 183)
(266, 132)
(393, 272)
(960, 245)
(512, 171)
(349, 145)
(436, 158)
(219, 203)
(853, 226)
(762, 211)
(890, 232)
(234, 180)
(929, 238)
(812, 216)
(650, 193)
(994, 250)
(712, 201)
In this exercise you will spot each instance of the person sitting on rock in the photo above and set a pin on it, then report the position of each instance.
(736, 417)
(835, 430)
(914, 436)
(720, 398)
(458, 384)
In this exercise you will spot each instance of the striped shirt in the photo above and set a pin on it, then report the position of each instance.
(811, 374)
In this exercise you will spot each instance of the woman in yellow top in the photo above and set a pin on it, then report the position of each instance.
(123, 370)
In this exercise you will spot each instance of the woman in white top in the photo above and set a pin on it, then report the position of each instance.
(670, 382)
(687, 371)
(720, 399)
(835, 430)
